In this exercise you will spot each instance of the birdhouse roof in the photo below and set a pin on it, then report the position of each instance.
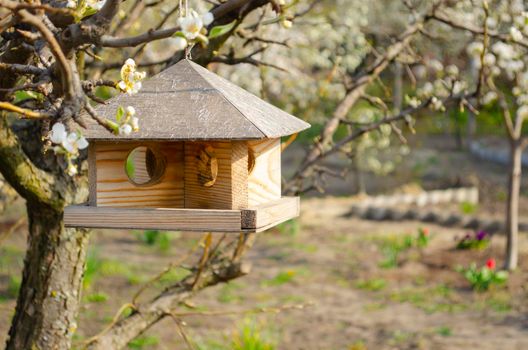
(189, 102)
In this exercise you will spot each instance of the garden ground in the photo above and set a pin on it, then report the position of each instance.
(360, 288)
(361, 291)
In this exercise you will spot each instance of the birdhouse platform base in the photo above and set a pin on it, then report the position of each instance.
(255, 219)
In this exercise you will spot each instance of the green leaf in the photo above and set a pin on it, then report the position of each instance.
(221, 30)
(89, 11)
(120, 113)
(26, 95)
(180, 34)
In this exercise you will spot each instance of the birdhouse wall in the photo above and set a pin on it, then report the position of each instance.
(230, 187)
(264, 183)
(248, 174)
(110, 185)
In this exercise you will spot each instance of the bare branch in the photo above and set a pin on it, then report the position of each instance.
(55, 48)
(477, 31)
(355, 92)
(23, 69)
(27, 113)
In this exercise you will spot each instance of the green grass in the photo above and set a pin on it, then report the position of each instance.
(155, 238)
(91, 269)
(249, 335)
(174, 275)
(444, 331)
(499, 301)
(281, 278)
(229, 293)
(289, 228)
(97, 267)
(468, 208)
(391, 246)
(96, 298)
(11, 258)
(431, 299)
(12, 289)
(143, 342)
(358, 345)
(373, 285)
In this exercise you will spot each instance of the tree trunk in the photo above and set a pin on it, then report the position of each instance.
(361, 188)
(512, 209)
(48, 302)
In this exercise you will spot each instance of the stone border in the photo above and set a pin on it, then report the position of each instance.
(383, 208)
(501, 156)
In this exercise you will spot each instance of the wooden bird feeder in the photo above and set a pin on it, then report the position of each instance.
(207, 157)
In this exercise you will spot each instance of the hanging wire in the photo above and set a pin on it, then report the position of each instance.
(188, 49)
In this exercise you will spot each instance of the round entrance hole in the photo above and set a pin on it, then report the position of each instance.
(144, 166)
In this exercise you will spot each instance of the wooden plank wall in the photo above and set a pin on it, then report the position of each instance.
(114, 188)
(264, 183)
(230, 188)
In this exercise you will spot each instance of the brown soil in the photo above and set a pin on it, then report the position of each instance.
(332, 262)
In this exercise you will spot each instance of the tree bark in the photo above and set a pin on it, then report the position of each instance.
(48, 302)
(512, 208)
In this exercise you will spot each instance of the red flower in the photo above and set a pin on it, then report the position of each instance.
(425, 231)
(491, 264)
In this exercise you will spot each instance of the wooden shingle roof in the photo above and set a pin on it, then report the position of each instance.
(188, 102)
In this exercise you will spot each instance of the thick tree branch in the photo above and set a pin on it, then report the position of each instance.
(152, 35)
(30, 182)
(117, 336)
(361, 130)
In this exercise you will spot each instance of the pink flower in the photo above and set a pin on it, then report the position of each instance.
(491, 264)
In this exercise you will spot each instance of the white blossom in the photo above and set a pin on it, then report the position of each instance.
(134, 123)
(452, 70)
(130, 77)
(286, 23)
(72, 169)
(96, 4)
(179, 43)
(412, 101)
(191, 24)
(70, 142)
(207, 18)
(475, 49)
(489, 59)
(437, 104)
(436, 65)
(127, 122)
(489, 97)
(503, 50)
(516, 34)
(522, 112)
(125, 129)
